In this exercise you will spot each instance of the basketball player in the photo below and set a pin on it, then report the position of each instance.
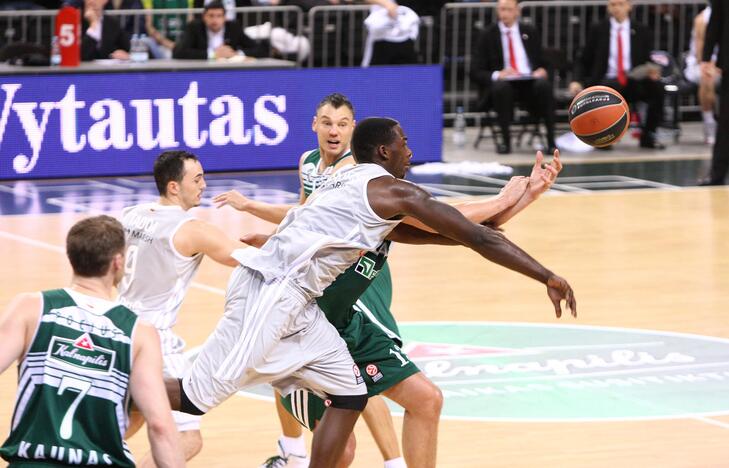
(273, 331)
(166, 245)
(371, 315)
(81, 357)
(333, 124)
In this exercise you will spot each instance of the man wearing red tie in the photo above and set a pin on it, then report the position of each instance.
(615, 49)
(508, 65)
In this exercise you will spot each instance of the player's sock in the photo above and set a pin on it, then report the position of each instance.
(708, 117)
(293, 450)
(398, 462)
(293, 445)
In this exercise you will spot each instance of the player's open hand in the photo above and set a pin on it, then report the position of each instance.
(543, 175)
(231, 198)
(558, 290)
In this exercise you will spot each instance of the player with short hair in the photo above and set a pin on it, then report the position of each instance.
(273, 331)
(362, 314)
(82, 356)
(166, 245)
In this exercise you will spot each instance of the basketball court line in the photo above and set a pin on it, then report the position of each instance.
(704, 418)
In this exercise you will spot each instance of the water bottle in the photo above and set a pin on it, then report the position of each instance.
(459, 128)
(55, 52)
(135, 52)
(143, 49)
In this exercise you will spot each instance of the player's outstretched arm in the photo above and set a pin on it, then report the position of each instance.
(391, 198)
(199, 236)
(149, 395)
(273, 213)
(483, 211)
(541, 179)
(19, 316)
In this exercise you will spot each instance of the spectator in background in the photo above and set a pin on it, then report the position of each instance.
(212, 37)
(717, 35)
(617, 54)
(508, 65)
(391, 35)
(707, 84)
(164, 30)
(103, 37)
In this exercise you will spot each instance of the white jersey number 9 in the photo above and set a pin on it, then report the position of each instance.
(130, 266)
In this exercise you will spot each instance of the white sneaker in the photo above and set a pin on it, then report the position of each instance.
(710, 133)
(286, 460)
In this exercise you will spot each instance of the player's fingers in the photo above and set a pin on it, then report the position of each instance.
(557, 307)
(540, 160)
(572, 303)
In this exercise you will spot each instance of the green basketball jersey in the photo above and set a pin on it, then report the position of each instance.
(71, 403)
(171, 26)
(311, 178)
(365, 286)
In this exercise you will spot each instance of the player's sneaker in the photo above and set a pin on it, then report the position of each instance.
(275, 462)
(282, 460)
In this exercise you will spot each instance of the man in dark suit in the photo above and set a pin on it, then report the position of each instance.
(103, 37)
(616, 47)
(212, 37)
(717, 33)
(508, 65)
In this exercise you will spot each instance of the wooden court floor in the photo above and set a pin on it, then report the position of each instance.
(648, 259)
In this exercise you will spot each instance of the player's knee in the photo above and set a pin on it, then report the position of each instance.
(433, 401)
(192, 443)
(187, 406)
(349, 402)
(347, 457)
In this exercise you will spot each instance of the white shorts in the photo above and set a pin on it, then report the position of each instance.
(175, 365)
(270, 333)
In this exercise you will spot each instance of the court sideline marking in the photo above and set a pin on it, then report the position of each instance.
(61, 250)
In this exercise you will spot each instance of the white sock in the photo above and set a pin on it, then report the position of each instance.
(295, 445)
(398, 462)
(708, 117)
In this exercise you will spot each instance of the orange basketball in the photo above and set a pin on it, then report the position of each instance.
(599, 116)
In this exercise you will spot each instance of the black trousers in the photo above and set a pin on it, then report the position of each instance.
(535, 95)
(393, 53)
(648, 91)
(720, 157)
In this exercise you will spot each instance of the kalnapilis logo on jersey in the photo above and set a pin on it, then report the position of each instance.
(546, 372)
(82, 352)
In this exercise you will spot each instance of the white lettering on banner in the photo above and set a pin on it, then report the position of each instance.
(145, 123)
(72, 143)
(233, 121)
(109, 131)
(190, 132)
(109, 126)
(270, 120)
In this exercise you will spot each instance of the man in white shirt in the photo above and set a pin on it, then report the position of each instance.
(508, 65)
(614, 49)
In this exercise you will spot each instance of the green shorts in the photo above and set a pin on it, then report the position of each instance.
(380, 360)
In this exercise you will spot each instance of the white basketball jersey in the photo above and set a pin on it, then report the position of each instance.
(157, 276)
(320, 239)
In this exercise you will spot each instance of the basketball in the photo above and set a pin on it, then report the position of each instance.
(599, 116)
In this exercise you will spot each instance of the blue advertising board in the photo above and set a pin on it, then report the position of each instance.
(73, 125)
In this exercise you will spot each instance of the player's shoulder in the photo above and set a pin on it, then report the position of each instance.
(309, 156)
(26, 306)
